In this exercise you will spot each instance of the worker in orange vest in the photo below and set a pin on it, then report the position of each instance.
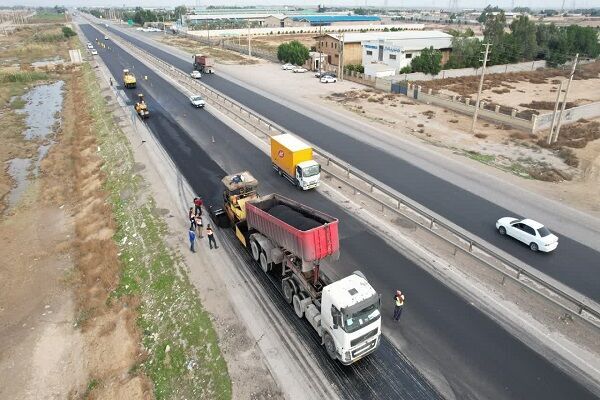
(399, 304)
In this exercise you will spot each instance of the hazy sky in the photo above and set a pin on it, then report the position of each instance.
(391, 3)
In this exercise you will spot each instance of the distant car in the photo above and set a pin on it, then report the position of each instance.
(196, 74)
(105, 37)
(94, 52)
(197, 101)
(299, 70)
(287, 66)
(528, 231)
(328, 79)
(90, 46)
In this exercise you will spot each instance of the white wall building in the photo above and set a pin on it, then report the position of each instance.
(399, 51)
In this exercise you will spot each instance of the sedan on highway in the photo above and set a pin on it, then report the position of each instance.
(196, 74)
(328, 79)
(287, 66)
(528, 231)
(94, 52)
(299, 70)
(197, 101)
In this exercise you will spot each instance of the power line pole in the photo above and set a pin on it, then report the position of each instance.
(485, 59)
(320, 50)
(342, 59)
(555, 112)
(564, 103)
(249, 41)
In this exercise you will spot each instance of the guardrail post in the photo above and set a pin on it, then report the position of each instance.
(470, 247)
(348, 172)
(518, 273)
(431, 224)
(399, 203)
(372, 187)
(327, 160)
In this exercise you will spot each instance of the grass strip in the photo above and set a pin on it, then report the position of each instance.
(184, 359)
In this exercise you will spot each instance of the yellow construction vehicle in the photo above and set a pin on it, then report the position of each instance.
(141, 108)
(128, 79)
(239, 189)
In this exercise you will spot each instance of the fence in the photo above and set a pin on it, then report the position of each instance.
(386, 199)
(570, 116)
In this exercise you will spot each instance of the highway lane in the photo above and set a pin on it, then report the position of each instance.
(573, 264)
(441, 332)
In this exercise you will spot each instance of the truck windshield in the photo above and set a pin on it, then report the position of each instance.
(359, 319)
(311, 171)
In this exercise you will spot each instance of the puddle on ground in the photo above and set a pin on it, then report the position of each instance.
(42, 108)
(18, 169)
(43, 103)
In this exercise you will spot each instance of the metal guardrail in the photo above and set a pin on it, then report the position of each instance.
(469, 243)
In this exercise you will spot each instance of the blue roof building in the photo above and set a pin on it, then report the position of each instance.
(326, 20)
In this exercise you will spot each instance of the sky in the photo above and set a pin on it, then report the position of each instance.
(354, 3)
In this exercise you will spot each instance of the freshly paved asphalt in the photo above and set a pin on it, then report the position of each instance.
(573, 263)
(456, 343)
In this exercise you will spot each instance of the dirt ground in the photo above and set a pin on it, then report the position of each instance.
(61, 337)
(220, 55)
(271, 42)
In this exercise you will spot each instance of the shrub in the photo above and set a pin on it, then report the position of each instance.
(293, 52)
(406, 70)
(68, 32)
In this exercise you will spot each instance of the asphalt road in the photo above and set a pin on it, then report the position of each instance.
(458, 345)
(572, 264)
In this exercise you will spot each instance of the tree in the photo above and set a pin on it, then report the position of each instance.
(179, 11)
(523, 10)
(406, 70)
(524, 34)
(293, 52)
(68, 32)
(428, 62)
(489, 10)
(466, 52)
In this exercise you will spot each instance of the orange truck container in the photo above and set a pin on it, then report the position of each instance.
(293, 159)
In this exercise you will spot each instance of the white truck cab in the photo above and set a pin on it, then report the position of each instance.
(350, 318)
(308, 174)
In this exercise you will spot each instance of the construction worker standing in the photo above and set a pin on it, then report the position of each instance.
(399, 304)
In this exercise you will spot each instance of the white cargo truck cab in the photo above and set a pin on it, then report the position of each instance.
(349, 319)
(308, 174)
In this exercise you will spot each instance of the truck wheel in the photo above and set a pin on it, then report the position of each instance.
(330, 346)
(255, 250)
(263, 262)
(297, 306)
(288, 290)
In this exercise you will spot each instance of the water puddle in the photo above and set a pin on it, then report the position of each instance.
(42, 107)
(18, 169)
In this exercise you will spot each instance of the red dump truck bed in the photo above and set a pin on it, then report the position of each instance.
(306, 232)
(204, 60)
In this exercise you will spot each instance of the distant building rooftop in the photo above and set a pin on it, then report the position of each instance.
(328, 19)
(357, 37)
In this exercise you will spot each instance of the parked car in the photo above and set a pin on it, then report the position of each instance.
(299, 70)
(105, 37)
(90, 46)
(328, 79)
(94, 52)
(196, 74)
(197, 101)
(528, 231)
(287, 66)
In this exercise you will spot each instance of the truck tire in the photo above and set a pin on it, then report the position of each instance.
(297, 306)
(288, 290)
(330, 346)
(255, 250)
(263, 262)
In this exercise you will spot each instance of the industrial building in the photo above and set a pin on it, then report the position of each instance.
(265, 20)
(331, 43)
(331, 20)
(398, 52)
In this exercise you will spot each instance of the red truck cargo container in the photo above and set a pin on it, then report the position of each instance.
(314, 236)
(203, 64)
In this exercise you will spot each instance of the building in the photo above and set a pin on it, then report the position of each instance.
(399, 51)
(256, 20)
(331, 20)
(331, 43)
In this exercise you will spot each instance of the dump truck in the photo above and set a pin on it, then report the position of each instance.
(129, 80)
(293, 159)
(291, 240)
(204, 64)
(141, 107)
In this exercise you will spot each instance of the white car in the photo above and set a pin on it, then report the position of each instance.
(528, 231)
(196, 74)
(90, 46)
(94, 52)
(328, 79)
(287, 66)
(197, 101)
(105, 37)
(299, 70)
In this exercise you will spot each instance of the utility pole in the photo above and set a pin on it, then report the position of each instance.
(564, 103)
(555, 112)
(485, 59)
(249, 42)
(342, 59)
(320, 50)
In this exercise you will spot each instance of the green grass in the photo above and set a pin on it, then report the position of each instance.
(483, 158)
(22, 76)
(17, 103)
(170, 313)
(93, 384)
(47, 17)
